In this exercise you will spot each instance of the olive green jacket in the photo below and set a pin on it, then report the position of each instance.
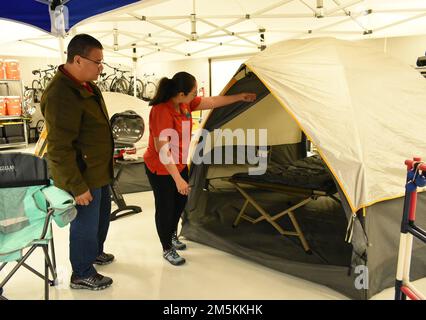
(79, 139)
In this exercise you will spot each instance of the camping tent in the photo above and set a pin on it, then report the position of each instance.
(362, 111)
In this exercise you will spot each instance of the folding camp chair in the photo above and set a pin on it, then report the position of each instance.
(28, 203)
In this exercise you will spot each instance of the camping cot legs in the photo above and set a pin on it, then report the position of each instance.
(416, 177)
(271, 219)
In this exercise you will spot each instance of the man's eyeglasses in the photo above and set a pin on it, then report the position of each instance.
(98, 63)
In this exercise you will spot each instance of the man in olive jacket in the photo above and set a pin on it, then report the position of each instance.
(80, 153)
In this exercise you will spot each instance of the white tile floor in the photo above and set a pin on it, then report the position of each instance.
(140, 272)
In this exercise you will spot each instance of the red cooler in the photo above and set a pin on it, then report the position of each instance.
(13, 105)
(12, 70)
(2, 73)
(3, 106)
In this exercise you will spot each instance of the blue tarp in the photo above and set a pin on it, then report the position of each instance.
(35, 13)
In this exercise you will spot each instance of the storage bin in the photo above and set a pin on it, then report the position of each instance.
(2, 71)
(12, 69)
(3, 110)
(13, 105)
(13, 129)
(15, 139)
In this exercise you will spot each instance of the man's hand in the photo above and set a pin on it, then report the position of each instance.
(247, 97)
(84, 199)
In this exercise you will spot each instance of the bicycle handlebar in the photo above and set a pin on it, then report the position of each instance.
(39, 71)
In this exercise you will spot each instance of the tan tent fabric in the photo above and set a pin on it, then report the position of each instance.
(363, 110)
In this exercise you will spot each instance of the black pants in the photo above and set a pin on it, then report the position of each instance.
(169, 205)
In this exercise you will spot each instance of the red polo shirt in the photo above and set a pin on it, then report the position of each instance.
(163, 116)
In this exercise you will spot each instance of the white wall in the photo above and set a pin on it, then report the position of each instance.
(223, 69)
(406, 49)
(199, 68)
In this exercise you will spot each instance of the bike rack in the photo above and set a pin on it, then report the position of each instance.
(416, 177)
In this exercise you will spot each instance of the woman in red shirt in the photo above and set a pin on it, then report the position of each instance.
(170, 125)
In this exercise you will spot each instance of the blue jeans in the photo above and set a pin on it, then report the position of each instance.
(88, 232)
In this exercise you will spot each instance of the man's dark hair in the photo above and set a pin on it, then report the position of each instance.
(81, 45)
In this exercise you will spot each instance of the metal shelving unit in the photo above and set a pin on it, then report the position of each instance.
(16, 91)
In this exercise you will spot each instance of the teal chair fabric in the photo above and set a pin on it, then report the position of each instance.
(29, 203)
(25, 212)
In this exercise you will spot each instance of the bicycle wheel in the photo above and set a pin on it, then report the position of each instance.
(103, 86)
(149, 91)
(36, 84)
(38, 90)
(139, 88)
(46, 80)
(120, 85)
(40, 126)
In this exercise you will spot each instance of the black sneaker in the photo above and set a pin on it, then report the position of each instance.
(176, 243)
(104, 258)
(95, 282)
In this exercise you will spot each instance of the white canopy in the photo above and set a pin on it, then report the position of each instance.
(175, 29)
(362, 109)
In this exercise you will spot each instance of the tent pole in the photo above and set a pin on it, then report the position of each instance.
(61, 50)
(135, 63)
(210, 77)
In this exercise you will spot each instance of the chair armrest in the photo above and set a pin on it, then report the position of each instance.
(61, 203)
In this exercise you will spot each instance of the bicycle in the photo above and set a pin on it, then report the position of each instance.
(120, 83)
(139, 87)
(149, 87)
(103, 82)
(38, 85)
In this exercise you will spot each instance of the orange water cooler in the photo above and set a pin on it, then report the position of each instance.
(13, 106)
(12, 69)
(3, 106)
(2, 72)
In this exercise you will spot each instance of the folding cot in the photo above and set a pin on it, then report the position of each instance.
(307, 178)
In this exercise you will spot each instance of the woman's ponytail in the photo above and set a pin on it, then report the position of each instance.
(166, 89)
(169, 88)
